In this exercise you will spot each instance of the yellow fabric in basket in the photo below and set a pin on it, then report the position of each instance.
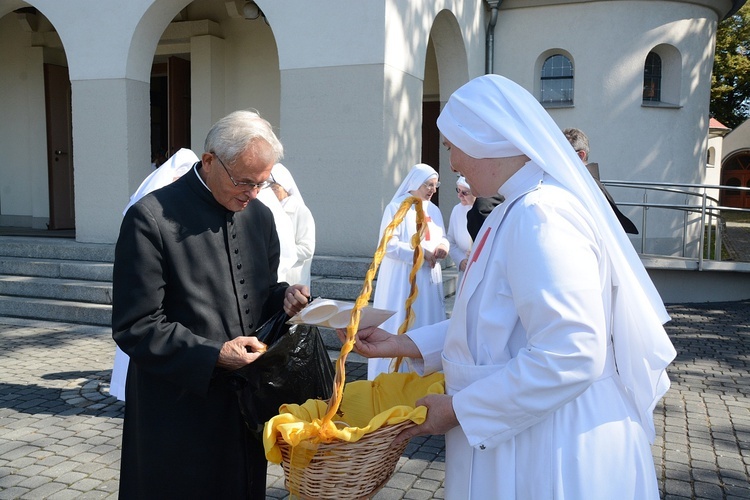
(365, 407)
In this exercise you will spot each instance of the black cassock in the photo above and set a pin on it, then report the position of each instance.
(188, 276)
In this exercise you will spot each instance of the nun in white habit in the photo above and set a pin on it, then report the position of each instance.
(555, 354)
(458, 234)
(303, 224)
(392, 286)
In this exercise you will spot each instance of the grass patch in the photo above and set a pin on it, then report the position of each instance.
(710, 252)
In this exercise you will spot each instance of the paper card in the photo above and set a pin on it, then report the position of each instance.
(337, 313)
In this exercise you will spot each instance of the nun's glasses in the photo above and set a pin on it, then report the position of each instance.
(252, 185)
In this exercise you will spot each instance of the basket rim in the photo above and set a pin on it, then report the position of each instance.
(382, 431)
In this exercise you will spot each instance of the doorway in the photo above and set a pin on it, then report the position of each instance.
(431, 139)
(59, 147)
(170, 108)
(735, 171)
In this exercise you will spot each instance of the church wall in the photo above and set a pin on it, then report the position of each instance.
(23, 171)
(630, 141)
(343, 85)
(737, 139)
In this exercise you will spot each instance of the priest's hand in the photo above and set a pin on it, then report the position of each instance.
(440, 417)
(240, 351)
(296, 298)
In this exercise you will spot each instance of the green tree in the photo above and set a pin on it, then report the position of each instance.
(730, 81)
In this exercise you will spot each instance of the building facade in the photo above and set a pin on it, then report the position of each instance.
(90, 91)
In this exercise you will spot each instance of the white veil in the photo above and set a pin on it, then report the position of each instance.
(493, 117)
(418, 175)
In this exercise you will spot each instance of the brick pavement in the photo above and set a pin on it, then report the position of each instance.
(737, 241)
(60, 431)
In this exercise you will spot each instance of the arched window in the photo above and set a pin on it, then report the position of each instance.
(652, 78)
(557, 81)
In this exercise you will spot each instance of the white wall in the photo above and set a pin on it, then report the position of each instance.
(628, 140)
(343, 83)
(737, 139)
(24, 194)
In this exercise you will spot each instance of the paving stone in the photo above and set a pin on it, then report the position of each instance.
(60, 426)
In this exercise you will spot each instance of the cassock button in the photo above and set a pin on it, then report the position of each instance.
(236, 250)
(242, 281)
(482, 447)
(247, 311)
(239, 266)
(244, 296)
(234, 236)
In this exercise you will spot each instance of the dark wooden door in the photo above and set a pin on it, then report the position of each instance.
(431, 139)
(178, 82)
(735, 171)
(59, 147)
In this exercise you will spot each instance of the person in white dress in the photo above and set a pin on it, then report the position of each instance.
(458, 234)
(302, 221)
(555, 354)
(285, 232)
(392, 286)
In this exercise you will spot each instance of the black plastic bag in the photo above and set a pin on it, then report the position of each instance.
(294, 368)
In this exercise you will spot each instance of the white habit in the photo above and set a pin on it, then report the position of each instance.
(528, 353)
(304, 236)
(392, 287)
(555, 354)
(458, 236)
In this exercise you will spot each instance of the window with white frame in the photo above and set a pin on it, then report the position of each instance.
(556, 83)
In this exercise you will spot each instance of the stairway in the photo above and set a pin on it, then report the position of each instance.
(59, 279)
(56, 279)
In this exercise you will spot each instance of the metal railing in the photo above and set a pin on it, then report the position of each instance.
(697, 201)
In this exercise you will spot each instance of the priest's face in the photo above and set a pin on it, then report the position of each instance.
(235, 184)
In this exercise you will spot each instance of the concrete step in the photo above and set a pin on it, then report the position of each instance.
(55, 248)
(340, 267)
(97, 292)
(56, 310)
(63, 280)
(56, 268)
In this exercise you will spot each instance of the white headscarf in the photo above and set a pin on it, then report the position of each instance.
(171, 170)
(493, 117)
(418, 175)
(283, 177)
(461, 182)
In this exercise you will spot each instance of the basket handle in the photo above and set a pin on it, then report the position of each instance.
(364, 296)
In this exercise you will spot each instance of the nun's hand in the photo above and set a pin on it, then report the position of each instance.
(374, 342)
(429, 258)
(440, 252)
(440, 417)
(296, 298)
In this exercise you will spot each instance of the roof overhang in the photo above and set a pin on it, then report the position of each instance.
(736, 5)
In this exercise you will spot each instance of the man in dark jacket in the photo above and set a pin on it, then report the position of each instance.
(194, 275)
(580, 143)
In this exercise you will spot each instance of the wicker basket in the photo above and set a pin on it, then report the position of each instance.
(353, 470)
(342, 470)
